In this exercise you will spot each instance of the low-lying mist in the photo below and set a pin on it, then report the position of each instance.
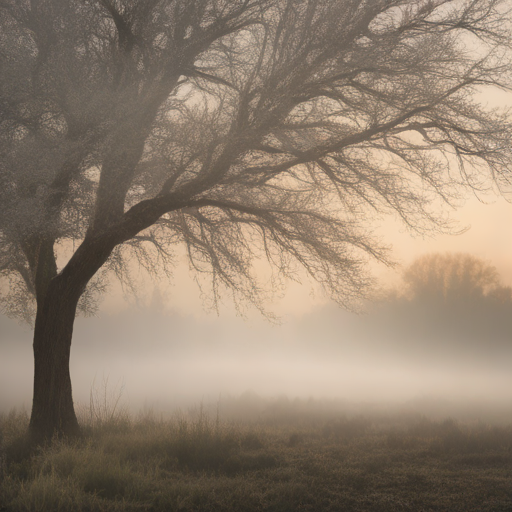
(165, 360)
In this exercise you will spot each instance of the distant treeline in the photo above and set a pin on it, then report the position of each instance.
(447, 304)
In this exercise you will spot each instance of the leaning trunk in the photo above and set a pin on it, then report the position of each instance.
(52, 408)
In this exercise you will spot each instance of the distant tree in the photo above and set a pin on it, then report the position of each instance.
(501, 294)
(454, 300)
(450, 277)
(239, 128)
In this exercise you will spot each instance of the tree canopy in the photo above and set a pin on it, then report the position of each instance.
(453, 301)
(228, 126)
(452, 277)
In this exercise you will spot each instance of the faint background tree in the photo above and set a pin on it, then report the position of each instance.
(451, 301)
(450, 277)
(242, 130)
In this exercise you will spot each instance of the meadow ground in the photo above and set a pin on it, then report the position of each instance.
(292, 461)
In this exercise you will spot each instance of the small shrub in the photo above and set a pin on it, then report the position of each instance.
(60, 458)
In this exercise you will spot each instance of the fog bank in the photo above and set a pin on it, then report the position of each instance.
(166, 360)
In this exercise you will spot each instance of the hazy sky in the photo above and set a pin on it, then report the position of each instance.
(488, 236)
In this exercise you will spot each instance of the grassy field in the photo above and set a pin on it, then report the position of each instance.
(289, 462)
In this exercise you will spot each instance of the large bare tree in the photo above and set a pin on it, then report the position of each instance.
(239, 128)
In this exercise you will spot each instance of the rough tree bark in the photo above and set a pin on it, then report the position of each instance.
(52, 406)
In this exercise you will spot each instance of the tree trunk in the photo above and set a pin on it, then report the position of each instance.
(53, 413)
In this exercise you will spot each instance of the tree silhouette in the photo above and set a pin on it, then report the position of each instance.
(452, 300)
(450, 277)
(240, 129)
